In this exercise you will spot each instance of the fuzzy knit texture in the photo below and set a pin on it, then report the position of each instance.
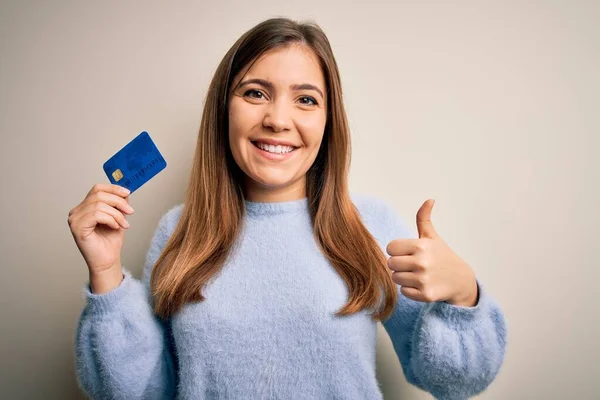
(266, 329)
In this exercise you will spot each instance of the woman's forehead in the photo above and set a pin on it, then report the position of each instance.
(292, 64)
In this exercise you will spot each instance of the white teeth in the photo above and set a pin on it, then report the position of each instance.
(275, 149)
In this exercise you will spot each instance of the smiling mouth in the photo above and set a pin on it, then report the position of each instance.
(276, 150)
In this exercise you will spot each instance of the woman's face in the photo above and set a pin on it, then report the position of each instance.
(277, 116)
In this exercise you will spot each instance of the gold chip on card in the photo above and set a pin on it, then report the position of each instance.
(117, 175)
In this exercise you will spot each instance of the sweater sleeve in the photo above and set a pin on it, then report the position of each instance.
(123, 350)
(453, 352)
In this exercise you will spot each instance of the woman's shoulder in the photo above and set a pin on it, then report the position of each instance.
(371, 207)
(169, 219)
(173, 213)
(380, 217)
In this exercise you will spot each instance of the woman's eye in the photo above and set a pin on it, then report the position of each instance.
(310, 99)
(256, 94)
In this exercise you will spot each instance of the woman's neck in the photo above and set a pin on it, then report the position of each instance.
(260, 194)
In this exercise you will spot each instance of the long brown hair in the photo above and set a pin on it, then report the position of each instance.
(214, 203)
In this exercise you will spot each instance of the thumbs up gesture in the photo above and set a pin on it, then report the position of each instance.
(427, 269)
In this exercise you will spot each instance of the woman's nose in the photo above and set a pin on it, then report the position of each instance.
(278, 116)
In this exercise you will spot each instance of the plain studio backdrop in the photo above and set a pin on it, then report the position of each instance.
(490, 108)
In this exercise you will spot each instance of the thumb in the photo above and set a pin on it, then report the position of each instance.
(424, 224)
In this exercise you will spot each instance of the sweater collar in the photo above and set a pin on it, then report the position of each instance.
(280, 207)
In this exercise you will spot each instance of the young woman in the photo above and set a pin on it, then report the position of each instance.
(268, 281)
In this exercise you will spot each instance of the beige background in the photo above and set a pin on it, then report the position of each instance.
(491, 108)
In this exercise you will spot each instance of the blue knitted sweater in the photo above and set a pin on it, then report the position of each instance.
(266, 329)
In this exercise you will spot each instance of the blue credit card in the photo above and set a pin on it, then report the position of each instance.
(135, 164)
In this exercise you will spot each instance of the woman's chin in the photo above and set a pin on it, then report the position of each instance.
(271, 181)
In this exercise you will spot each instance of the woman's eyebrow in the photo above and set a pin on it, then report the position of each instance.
(269, 85)
(306, 86)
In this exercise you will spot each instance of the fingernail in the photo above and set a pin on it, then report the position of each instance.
(125, 191)
(126, 223)
(131, 210)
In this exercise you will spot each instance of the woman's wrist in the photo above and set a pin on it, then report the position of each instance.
(105, 281)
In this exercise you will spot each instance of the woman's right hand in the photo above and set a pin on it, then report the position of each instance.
(98, 226)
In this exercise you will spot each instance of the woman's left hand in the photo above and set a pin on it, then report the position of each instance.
(427, 268)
